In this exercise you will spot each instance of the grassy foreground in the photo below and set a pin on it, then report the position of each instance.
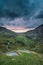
(22, 59)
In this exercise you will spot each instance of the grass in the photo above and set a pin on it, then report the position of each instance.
(20, 42)
(23, 59)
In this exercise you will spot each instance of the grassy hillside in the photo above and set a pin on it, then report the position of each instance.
(23, 59)
(20, 41)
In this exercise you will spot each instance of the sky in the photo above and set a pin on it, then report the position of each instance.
(21, 15)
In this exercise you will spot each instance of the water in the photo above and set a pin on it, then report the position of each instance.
(12, 53)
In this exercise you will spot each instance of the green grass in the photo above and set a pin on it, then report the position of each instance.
(20, 41)
(23, 59)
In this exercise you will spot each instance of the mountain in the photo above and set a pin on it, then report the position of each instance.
(37, 33)
(6, 32)
(6, 35)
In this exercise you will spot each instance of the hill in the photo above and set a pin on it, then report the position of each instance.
(37, 33)
(6, 31)
(6, 35)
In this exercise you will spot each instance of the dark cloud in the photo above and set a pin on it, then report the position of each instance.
(24, 13)
(16, 8)
(40, 15)
(1, 24)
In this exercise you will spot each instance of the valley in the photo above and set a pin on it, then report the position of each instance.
(22, 48)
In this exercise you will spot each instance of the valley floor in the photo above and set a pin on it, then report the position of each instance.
(21, 57)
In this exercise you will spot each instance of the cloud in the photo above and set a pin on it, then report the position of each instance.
(16, 8)
(21, 13)
(40, 15)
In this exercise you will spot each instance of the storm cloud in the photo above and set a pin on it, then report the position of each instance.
(16, 8)
(22, 13)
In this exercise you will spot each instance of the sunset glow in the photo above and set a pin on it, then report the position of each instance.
(18, 29)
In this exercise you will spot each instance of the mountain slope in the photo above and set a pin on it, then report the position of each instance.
(36, 33)
(6, 35)
(6, 32)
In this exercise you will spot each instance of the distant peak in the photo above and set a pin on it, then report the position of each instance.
(41, 25)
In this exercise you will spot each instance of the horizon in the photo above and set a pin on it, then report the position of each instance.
(19, 29)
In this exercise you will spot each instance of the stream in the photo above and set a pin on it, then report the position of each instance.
(14, 53)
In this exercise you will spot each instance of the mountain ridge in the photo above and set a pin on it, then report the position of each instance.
(5, 31)
(37, 34)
